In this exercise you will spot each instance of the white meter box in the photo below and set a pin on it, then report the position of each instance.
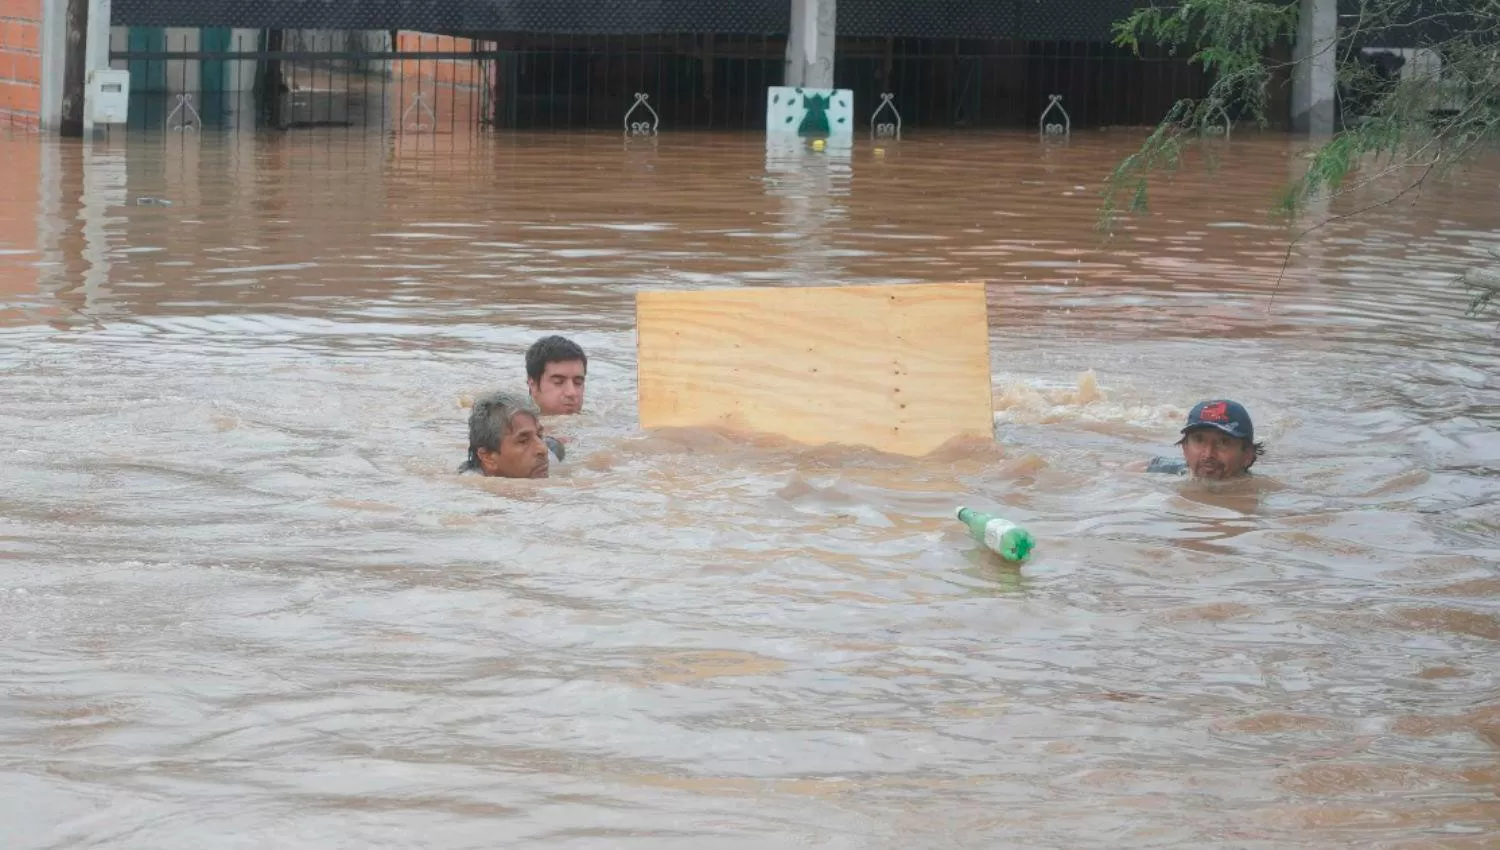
(109, 96)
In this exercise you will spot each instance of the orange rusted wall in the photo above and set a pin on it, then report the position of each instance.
(455, 89)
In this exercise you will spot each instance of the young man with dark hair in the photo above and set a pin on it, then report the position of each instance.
(1218, 442)
(556, 369)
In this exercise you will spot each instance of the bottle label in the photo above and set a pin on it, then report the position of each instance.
(994, 531)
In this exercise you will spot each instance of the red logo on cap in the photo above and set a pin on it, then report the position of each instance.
(1217, 412)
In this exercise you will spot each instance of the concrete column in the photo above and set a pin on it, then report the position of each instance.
(97, 54)
(809, 44)
(54, 51)
(1315, 74)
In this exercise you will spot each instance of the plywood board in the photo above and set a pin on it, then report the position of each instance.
(899, 368)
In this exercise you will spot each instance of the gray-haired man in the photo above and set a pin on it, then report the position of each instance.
(506, 440)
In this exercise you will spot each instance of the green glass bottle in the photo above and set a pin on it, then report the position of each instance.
(1001, 536)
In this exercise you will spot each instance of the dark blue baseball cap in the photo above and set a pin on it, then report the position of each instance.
(1231, 417)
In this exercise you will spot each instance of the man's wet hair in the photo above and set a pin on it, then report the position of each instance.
(492, 418)
(552, 349)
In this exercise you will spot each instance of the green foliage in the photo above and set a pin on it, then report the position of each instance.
(1232, 39)
(1483, 286)
(1404, 131)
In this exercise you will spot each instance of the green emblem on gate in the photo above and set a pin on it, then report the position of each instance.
(815, 122)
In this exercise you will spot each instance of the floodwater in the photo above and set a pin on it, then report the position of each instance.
(244, 602)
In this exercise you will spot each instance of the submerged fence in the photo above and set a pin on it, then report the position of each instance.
(415, 82)
(273, 81)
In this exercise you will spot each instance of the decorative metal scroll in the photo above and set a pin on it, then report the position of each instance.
(1065, 129)
(1216, 129)
(419, 105)
(641, 128)
(886, 130)
(184, 115)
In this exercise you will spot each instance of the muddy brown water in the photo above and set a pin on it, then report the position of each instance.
(245, 603)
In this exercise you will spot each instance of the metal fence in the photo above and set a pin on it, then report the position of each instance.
(996, 84)
(281, 82)
(414, 82)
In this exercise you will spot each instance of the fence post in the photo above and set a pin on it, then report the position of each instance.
(75, 68)
(270, 84)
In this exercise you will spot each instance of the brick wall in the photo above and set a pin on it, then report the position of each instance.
(20, 62)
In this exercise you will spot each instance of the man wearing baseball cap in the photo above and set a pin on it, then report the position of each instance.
(1218, 442)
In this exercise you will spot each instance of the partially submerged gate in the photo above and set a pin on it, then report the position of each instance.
(288, 80)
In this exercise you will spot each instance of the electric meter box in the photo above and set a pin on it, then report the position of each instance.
(109, 96)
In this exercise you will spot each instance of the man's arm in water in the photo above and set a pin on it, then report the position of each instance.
(1163, 465)
(1167, 466)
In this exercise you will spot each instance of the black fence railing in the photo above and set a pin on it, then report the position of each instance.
(1008, 83)
(414, 82)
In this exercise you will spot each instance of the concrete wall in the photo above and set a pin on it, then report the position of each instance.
(1315, 75)
(182, 75)
(21, 63)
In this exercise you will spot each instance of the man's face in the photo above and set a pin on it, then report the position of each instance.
(560, 391)
(1211, 453)
(522, 454)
